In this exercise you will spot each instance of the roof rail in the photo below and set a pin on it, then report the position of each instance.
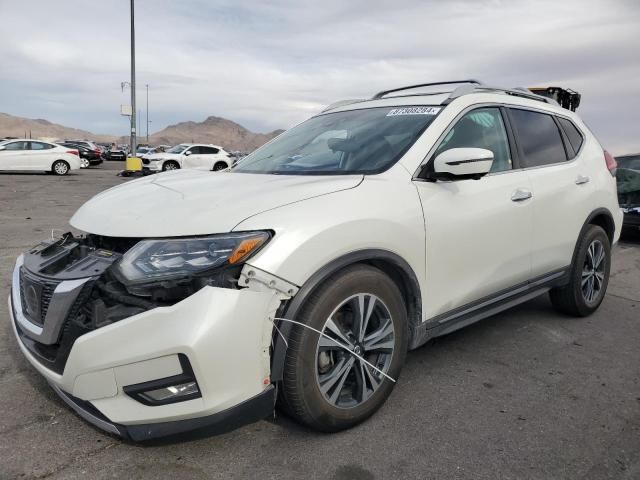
(410, 87)
(516, 92)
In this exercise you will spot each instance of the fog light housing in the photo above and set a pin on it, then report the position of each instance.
(177, 388)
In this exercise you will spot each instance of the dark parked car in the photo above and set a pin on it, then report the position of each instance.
(114, 154)
(628, 176)
(88, 157)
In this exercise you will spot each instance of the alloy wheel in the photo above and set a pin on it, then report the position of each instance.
(362, 323)
(60, 168)
(593, 272)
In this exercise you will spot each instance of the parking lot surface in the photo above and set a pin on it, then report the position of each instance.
(525, 394)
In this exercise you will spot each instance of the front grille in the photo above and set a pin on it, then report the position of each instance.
(55, 356)
(43, 290)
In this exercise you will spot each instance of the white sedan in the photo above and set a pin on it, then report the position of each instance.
(25, 155)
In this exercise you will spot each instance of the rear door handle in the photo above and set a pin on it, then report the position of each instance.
(520, 194)
(581, 180)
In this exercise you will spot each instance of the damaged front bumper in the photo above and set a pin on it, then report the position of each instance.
(223, 334)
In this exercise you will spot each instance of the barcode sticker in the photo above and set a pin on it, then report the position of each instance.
(413, 111)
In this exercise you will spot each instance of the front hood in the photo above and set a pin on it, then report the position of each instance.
(190, 202)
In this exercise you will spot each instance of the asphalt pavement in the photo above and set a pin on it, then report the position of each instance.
(526, 394)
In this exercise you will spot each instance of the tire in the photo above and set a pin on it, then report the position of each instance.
(170, 165)
(344, 400)
(84, 163)
(219, 166)
(589, 276)
(60, 167)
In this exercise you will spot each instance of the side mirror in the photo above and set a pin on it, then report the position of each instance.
(188, 152)
(462, 163)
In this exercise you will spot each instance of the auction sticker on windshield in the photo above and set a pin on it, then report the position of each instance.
(413, 111)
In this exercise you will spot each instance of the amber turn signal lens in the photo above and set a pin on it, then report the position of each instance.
(245, 248)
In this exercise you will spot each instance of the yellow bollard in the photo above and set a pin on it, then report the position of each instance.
(134, 164)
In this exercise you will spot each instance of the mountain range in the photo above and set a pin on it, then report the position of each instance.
(219, 131)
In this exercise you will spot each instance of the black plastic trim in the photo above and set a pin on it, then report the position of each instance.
(249, 411)
(293, 306)
(490, 305)
(138, 390)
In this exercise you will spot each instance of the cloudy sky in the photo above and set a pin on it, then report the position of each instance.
(269, 64)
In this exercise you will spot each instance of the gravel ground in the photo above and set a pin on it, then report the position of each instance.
(525, 394)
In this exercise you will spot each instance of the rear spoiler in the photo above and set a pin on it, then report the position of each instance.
(565, 97)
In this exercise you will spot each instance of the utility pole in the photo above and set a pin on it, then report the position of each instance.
(147, 85)
(133, 138)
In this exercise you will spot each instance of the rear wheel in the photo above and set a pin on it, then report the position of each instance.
(327, 387)
(219, 166)
(60, 167)
(84, 163)
(589, 276)
(170, 165)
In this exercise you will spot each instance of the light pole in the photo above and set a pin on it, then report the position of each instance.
(147, 85)
(133, 83)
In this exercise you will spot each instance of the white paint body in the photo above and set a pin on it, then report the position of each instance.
(188, 159)
(464, 240)
(41, 160)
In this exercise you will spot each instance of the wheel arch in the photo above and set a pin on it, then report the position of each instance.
(601, 217)
(388, 262)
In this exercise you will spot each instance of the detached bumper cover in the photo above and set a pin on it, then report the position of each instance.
(224, 333)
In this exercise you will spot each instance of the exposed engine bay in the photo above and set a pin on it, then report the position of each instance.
(104, 298)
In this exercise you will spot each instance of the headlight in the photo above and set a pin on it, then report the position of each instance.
(153, 260)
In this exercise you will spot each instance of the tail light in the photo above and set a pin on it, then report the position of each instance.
(612, 165)
(73, 152)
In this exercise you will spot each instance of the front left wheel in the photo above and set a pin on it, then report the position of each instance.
(328, 387)
(60, 167)
(84, 163)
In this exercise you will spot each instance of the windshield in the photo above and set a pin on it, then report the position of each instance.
(354, 141)
(177, 149)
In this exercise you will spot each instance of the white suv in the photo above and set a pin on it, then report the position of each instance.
(361, 233)
(32, 155)
(188, 155)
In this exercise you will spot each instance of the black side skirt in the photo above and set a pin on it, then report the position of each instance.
(485, 307)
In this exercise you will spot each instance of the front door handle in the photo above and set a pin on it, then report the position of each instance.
(521, 194)
(581, 180)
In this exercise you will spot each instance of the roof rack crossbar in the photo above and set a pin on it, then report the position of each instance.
(516, 92)
(410, 87)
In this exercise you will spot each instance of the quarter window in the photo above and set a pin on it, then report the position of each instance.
(538, 137)
(573, 134)
(481, 128)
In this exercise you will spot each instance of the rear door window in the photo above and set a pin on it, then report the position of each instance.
(539, 138)
(40, 146)
(573, 134)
